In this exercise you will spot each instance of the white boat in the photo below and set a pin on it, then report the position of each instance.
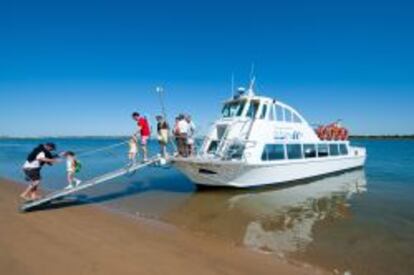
(259, 140)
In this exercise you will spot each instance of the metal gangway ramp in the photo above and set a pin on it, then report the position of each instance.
(88, 184)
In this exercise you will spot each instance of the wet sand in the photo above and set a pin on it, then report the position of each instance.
(90, 240)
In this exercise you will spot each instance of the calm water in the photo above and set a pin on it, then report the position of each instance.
(360, 221)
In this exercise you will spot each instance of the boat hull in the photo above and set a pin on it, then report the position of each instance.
(242, 175)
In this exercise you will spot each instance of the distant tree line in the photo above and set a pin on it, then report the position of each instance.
(403, 137)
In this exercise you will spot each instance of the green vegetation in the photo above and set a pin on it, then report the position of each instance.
(383, 137)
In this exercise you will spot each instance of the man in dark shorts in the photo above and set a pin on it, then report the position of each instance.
(39, 156)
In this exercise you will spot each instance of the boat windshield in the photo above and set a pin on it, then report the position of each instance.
(233, 109)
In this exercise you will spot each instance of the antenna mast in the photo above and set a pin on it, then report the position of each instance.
(232, 85)
(250, 92)
(160, 92)
(252, 71)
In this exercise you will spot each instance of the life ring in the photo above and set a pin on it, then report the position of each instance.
(335, 132)
(344, 134)
(328, 133)
(320, 132)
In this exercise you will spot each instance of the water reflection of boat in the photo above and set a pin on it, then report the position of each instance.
(278, 219)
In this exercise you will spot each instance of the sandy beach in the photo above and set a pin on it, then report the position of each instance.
(90, 240)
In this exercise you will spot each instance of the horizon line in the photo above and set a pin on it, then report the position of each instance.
(153, 136)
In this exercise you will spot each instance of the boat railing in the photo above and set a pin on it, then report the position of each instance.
(234, 149)
(228, 148)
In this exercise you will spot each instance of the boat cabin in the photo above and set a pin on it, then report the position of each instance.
(258, 140)
(263, 129)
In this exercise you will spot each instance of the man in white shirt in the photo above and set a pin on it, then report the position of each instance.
(181, 135)
(39, 156)
(183, 126)
(190, 134)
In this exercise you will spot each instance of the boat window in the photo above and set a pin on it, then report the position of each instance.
(264, 112)
(334, 149)
(294, 151)
(253, 107)
(272, 112)
(343, 149)
(288, 115)
(323, 150)
(296, 118)
(309, 150)
(273, 152)
(233, 109)
(212, 148)
(279, 113)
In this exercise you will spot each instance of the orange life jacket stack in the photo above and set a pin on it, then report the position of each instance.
(332, 131)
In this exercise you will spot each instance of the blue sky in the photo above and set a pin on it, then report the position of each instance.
(81, 67)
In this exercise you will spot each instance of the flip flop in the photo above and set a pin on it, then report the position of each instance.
(24, 198)
(37, 198)
(27, 200)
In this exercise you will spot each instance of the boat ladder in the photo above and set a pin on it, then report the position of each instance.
(88, 184)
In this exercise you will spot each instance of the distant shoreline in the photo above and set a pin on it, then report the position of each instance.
(352, 137)
(65, 137)
(383, 137)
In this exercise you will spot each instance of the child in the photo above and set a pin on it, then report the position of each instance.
(73, 166)
(133, 150)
